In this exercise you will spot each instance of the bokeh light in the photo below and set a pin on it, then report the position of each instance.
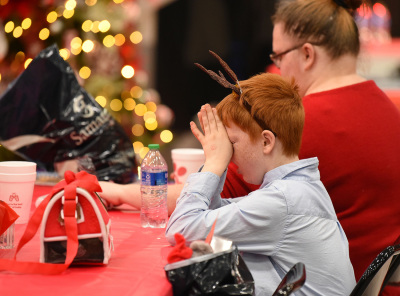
(143, 152)
(116, 105)
(138, 130)
(136, 37)
(27, 62)
(166, 136)
(140, 109)
(109, 41)
(129, 104)
(85, 72)
(52, 17)
(9, 27)
(119, 39)
(68, 13)
(151, 106)
(26, 23)
(87, 25)
(65, 53)
(137, 146)
(101, 100)
(17, 32)
(151, 124)
(136, 92)
(127, 71)
(87, 46)
(104, 26)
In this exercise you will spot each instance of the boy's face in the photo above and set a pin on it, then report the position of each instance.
(247, 155)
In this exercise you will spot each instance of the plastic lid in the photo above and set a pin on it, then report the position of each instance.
(154, 146)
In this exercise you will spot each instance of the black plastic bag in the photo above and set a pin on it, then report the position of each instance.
(223, 273)
(48, 118)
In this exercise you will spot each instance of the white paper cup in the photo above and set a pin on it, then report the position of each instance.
(185, 162)
(17, 179)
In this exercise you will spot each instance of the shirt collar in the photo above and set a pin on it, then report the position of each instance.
(304, 169)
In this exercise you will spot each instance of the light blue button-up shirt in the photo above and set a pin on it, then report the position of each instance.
(289, 219)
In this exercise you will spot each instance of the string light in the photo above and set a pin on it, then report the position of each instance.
(136, 37)
(52, 17)
(87, 46)
(137, 130)
(17, 32)
(9, 27)
(151, 106)
(140, 109)
(27, 62)
(70, 5)
(101, 100)
(87, 25)
(68, 13)
(26, 23)
(143, 152)
(116, 105)
(127, 72)
(166, 136)
(151, 124)
(64, 53)
(90, 2)
(119, 39)
(136, 92)
(95, 27)
(137, 146)
(85, 72)
(129, 104)
(109, 41)
(104, 26)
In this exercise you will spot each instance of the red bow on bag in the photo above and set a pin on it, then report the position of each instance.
(7, 216)
(69, 185)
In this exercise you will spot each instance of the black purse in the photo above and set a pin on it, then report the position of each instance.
(222, 273)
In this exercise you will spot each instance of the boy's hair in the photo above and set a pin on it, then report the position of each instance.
(268, 101)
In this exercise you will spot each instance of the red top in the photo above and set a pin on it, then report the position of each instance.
(355, 133)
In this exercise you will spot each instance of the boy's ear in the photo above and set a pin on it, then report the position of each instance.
(268, 141)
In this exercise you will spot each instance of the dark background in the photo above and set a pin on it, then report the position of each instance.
(240, 31)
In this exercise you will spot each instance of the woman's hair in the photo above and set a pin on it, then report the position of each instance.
(267, 100)
(327, 23)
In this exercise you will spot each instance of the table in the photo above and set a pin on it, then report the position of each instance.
(135, 267)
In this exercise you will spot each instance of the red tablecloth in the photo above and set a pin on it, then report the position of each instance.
(135, 267)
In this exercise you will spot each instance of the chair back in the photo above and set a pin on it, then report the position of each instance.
(381, 271)
(292, 281)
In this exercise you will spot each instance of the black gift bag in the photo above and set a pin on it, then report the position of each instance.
(223, 273)
(48, 118)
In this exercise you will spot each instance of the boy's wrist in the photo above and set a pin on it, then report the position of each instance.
(214, 168)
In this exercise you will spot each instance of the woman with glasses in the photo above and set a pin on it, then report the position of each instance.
(351, 125)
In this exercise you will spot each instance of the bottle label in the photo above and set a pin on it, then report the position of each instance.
(150, 179)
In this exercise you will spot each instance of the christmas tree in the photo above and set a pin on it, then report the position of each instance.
(102, 41)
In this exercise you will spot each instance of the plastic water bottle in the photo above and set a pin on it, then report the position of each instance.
(154, 178)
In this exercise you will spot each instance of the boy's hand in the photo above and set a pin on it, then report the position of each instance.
(216, 144)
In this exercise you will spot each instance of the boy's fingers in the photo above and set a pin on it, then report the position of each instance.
(196, 132)
(200, 120)
(205, 119)
(210, 116)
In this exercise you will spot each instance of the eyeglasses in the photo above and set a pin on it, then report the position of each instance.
(277, 57)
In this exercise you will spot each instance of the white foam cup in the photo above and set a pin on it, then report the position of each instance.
(185, 162)
(17, 180)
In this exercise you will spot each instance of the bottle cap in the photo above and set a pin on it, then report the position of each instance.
(154, 146)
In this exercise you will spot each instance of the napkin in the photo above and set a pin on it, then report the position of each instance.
(180, 250)
(7, 216)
